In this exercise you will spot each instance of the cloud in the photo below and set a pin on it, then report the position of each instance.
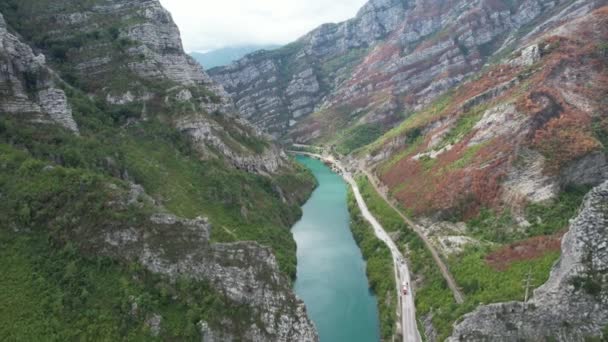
(211, 24)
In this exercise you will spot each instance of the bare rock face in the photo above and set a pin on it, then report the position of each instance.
(157, 55)
(529, 56)
(132, 57)
(206, 132)
(530, 130)
(133, 46)
(277, 89)
(245, 272)
(161, 55)
(27, 87)
(572, 304)
(393, 57)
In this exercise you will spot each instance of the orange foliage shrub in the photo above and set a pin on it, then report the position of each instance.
(565, 139)
(529, 249)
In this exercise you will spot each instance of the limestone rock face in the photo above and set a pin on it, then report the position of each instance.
(275, 88)
(206, 132)
(566, 307)
(145, 50)
(133, 58)
(395, 56)
(28, 88)
(158, 55)
(246, 272)
(159, 46)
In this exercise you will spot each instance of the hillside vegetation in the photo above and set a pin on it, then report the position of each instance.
(101, 223)
(495, 168)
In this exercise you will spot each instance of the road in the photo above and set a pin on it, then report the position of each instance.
(447, 275)
(409, 328)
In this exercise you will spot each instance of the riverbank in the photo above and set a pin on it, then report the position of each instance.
(379, 264)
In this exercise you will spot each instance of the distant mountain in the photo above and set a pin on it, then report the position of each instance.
(227, 55)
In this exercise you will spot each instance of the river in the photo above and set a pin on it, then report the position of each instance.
(331, 271)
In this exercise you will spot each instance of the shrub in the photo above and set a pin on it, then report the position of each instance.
(59, 52)
(565, 139)
(114, 32)
(602, 49)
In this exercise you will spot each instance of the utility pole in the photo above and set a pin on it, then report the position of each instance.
(528, 282)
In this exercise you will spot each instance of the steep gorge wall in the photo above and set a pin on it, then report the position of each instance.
(519, 132)
(128, 58)
(275, 89)
(392, 59)
(129, 55)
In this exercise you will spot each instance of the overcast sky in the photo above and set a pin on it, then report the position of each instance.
(211, 24)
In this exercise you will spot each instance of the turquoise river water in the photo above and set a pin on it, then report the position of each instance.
(331, 271)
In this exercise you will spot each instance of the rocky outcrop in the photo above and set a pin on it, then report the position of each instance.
(28, 88)
(276, 89)
(245, 272)
(206, 133)
(133, 45)
(158, 53)
(572, 304)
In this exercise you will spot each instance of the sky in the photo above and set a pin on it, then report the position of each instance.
(211, 24)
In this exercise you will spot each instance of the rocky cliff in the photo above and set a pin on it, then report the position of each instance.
(29, 88)
(392, 59)
(276, 89)
(245, 272)
(130, 56)
(572, 305)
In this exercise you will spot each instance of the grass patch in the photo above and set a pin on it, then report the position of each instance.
(390, 220)
(357, 137)
(482, 284)
(544, 218)
(463, 126)
(416, 121)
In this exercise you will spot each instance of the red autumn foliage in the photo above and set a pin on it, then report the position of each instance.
(559, 126)
(529, 249)
(565, 139)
